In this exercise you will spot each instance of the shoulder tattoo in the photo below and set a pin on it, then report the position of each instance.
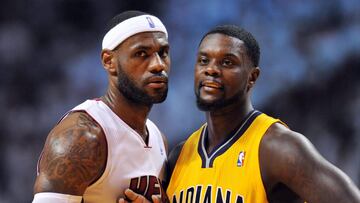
(74, 155)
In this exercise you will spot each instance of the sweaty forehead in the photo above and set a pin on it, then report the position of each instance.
(146, 39)
(221, 43)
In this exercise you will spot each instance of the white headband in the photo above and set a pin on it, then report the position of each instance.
(132, 26)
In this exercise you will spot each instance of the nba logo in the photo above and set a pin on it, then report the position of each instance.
(241, 159)
(151, 23)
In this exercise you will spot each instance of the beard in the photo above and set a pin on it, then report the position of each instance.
(217, 104)
(128, 88)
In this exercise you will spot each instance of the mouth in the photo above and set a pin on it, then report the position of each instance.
(157, 82)
(210, 84)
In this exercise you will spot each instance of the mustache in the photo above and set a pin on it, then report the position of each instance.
(158, 77)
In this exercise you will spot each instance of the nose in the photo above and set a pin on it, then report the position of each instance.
(157, 64)
(212, 70)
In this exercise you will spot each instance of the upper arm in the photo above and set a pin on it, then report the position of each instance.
(73, 157)
(173, 157)
(288, 157)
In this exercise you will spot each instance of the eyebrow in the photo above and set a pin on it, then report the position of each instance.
(143, 47)
(200, 53)
(232, 55)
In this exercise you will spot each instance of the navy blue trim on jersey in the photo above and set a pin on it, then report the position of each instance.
(200, 151)
(208, 159)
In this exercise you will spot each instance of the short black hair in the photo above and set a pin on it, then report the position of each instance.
(252, 46)
(121, 17)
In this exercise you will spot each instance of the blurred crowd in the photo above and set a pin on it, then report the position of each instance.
(50, 62)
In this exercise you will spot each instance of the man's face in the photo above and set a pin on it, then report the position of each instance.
(143, 65)
(221, 72)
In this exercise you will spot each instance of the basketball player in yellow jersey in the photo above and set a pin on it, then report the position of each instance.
(242, 155)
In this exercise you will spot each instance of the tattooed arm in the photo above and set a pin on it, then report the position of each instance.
(73, 157)
(292, 169)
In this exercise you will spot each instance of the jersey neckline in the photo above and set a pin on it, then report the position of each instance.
(146, 145)
(208, 159)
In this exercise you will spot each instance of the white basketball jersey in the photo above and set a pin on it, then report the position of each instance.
(130, 162)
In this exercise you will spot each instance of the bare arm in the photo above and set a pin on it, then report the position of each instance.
(289, 158)
(73, 157)
(173, 157)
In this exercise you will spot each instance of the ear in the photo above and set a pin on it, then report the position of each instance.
(108, 61)
(253, 76)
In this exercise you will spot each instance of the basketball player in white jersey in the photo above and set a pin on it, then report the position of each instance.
(105, 145)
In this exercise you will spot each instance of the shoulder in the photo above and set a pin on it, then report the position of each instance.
(289, 158)
(280, 139)
(175, 152)
(74, 155)
(76, 129)
(285, 155)
(173, 156)
(77, 120)
(286, 148)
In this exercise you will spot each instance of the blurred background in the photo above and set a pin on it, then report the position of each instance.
(50, 62)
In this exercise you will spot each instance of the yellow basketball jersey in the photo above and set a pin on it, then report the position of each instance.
(230, 173)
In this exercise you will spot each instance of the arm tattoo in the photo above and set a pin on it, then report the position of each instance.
(74, 156)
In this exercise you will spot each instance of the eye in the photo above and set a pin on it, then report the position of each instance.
(202, 60)
(164, 53)
(141, 53)
(226, 62)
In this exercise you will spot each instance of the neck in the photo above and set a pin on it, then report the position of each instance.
(221, 122)
(133, 114)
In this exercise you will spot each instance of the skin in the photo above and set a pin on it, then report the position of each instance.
(291, 168)
(74, 155)
(75, 152)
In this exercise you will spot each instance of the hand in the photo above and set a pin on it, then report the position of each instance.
(137, 198)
